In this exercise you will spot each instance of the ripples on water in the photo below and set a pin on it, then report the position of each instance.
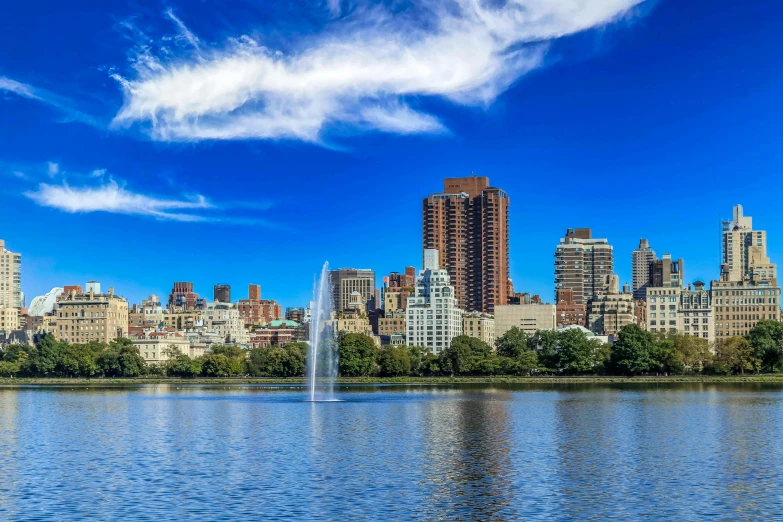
(586, 452)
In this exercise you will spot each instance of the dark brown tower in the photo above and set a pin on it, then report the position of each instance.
(468, 225)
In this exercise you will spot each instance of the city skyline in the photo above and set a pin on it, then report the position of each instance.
(240, 293)
(638, 116)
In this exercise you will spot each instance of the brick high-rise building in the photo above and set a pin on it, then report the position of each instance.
(255, 310)
(222, 293)
(183, 297)
(468, 225)
(582, 264)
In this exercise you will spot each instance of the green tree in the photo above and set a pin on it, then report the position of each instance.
(417, 354)
(9, 369)
(546, 343)
(735, 355)
(466, 355)
(576, 353)
(430, 365)
(215, 365)
(121, 359)
(49, 356)
(78, 360)
(694, 352)
(513, 344)
(357, 355)
(767, 341)
(394, 361)
(184, 366)
(632, 352)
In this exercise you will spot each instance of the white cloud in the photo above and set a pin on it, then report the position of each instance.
(21, 89)
(362, 70)
(52, 169)
(61, 103)
(110, 197)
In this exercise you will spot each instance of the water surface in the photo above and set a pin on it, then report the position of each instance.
(687, 451)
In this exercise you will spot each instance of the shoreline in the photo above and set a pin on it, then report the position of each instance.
(56, 381)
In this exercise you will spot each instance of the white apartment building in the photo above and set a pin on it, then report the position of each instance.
(10, 278)
(433, 316)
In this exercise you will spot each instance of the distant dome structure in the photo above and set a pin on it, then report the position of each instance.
(44, 304)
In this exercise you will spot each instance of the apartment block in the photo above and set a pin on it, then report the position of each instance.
(468, 225)
(582, 264)
(255, 310)
(679, 310)
(568, 311)
(479, 325)
(747, 291)
(9, 319)
(666, 273)
(641, 258)
(433, 317)
(183, 297)
(345, 281)
(86, 317)
(609, 311)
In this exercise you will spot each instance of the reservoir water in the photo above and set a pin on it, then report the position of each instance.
(452, 452)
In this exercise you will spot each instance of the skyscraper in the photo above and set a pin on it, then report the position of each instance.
(747, 290)
(468, 225)
(640, 265)
(582, 264)
(745, 250)
(10, 278)
(348, 280)
(222, 293)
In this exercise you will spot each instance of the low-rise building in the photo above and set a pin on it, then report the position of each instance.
(9, 319)
(479, 325)
(161, 347)
(528, 317)
(86, 317)
(275, 333)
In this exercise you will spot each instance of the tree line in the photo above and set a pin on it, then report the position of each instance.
(566, 352)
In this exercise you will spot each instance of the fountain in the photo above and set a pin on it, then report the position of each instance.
(323, 355)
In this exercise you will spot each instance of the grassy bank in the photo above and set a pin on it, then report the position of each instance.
(398, 380)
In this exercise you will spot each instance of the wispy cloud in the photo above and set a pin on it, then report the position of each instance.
(364, 70)
(97, 191)
(62, 104)
(110, 197)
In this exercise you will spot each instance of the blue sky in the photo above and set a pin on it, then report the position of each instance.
(247, 142)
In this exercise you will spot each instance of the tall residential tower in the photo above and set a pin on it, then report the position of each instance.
(582, 264)
(468, 225)
(10, 278)
(640, 265)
